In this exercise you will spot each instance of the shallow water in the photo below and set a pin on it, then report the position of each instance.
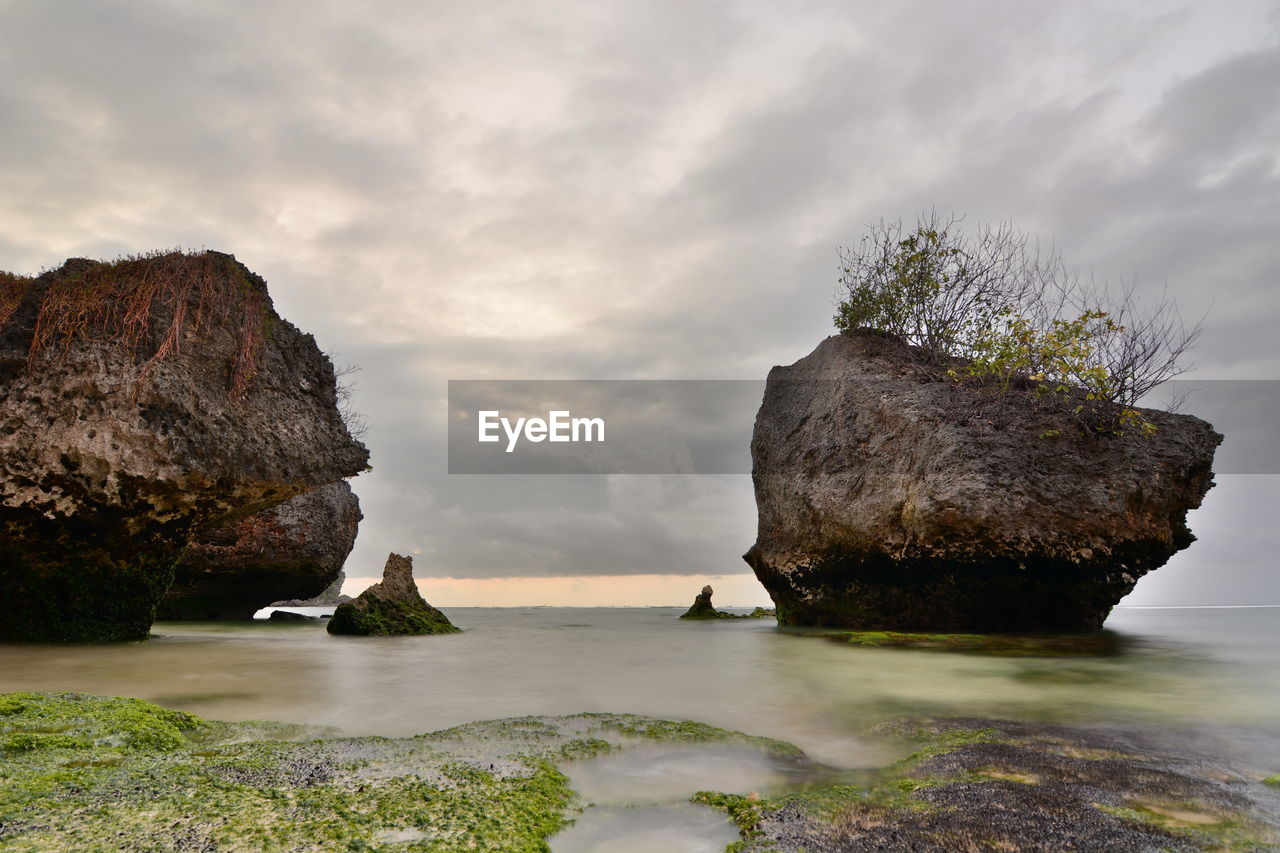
(672, 828)
(637, 800)
(1209, 669)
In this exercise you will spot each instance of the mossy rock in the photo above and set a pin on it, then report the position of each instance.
(392, 607)
(702, 609)
(40, 721)
(390, 619)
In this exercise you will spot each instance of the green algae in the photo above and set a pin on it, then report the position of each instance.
(389, 619)
(880, 795)
(1101, 643)
(90, 772)
(87, 772)
(688, 731)
(1189, 821)
(711, 614)
(838, 812)
(35, 721)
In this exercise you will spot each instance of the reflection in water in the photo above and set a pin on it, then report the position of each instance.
(672, 828)
(1202, 668)
(662, 773)
(638, 799)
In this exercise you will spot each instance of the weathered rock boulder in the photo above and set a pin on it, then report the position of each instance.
(391, 607)
(141, 400)
(293, 550)
(890, 498)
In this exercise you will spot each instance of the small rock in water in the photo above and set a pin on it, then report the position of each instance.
(290, 616)
(702, 609)
(391, 607)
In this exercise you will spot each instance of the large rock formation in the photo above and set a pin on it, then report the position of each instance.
(889, 498)
(391, 607)
(293, 550)
(141, 400)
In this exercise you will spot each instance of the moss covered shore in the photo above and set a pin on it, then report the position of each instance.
(102, 773)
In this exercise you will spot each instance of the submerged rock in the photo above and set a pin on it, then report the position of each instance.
(295, 549)
(290, 616)
(391, 607)
(141, 400)
(892, 499)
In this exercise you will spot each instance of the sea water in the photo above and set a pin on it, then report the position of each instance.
(1214, 671)
(1193, 667)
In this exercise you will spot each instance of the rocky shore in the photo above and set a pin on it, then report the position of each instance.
(87, 772)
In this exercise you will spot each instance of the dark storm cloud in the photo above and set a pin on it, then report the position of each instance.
(624, 190)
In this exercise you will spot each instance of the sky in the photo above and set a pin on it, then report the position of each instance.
(643, 190)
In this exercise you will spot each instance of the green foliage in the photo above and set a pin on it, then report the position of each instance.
(897, 292)
(991, 310)
(1059, 360)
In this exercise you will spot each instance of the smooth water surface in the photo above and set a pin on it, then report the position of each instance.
(1210, 669)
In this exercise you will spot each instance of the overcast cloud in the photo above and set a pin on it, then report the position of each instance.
(532, 190)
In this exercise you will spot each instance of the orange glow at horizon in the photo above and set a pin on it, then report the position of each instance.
(738, 590)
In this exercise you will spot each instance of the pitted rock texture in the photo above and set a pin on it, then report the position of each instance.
(294, 550)
(391, 607)
(892, 498)
(142, 400)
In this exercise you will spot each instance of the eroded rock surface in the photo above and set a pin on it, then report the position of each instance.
(293, 550)
(391, 607)
(890, 498)
(141, 400)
